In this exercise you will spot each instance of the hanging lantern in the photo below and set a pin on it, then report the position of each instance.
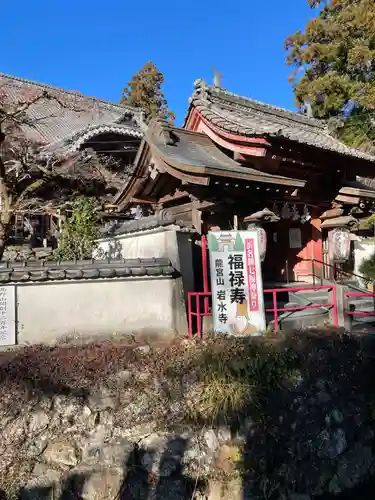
(339, 245)
(262, 239)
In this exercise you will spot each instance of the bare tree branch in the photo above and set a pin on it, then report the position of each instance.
(30, 182)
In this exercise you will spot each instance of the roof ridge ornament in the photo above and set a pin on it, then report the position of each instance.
(217, 78)
(200, 91)
(162, 129)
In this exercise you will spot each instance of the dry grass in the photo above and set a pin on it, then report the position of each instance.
(229, 374)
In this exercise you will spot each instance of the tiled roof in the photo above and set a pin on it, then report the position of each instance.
(244, 116)
(53, 123)
(184, 147)
(57, 271)
(144, 224)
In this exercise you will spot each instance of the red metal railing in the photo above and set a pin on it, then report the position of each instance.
(198, 314)
(275, 310)
(206, 286)
(206, 295)
(360, 294)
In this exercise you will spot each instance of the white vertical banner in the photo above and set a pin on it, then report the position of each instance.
(236, 282)
(7, 315)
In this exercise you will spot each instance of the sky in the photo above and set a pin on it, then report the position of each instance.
(95, 47)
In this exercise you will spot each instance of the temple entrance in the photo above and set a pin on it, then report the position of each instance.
(290, 251)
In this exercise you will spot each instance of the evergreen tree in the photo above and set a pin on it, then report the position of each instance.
(145, 91)
(78, 238)
(336, 57)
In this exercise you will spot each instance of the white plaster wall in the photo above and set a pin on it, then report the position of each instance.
(48, 311)
(146, 244)
(363, 249)
(166, 242)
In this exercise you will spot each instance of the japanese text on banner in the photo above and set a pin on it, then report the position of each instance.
(252, 275)
(222, 311)
(236, 278)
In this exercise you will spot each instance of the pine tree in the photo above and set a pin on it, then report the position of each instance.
(145, 91)
(336, 57)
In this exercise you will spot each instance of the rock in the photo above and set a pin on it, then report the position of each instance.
(232, 489)
(365, 434)
(331, 445)
(124, 375)
(68, 413)
(245, 428)
(116, 452)
(224, 434)
(41, 469)
(352, 469)
(153, 441)
(83, 415)
(42, 487)
(102, 400)
(39, 421)
(172, 457)
(226, 459)
(15, 430)
(321, 384)
(323, 397)
(37, 446)
(103, 485)
(65, 406)
(197, 457)
(143, 349)
(95, 441)
(337, 416)
(143, 376)
(147, 461)
(211, 440)
(61, 453)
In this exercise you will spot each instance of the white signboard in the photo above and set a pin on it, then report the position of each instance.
(236, 282)
(7, 315)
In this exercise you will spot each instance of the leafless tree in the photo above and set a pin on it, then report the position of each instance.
(31, 182)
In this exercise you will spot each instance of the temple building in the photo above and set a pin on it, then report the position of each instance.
(68, 123)
(234, 158)
(235, 162)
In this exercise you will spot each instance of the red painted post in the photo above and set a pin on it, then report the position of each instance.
(205, 271)
(190, 316)
(275, 315)
(335, 314)
(199, 326)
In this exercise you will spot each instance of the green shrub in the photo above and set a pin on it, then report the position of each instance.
(78, 238)
(367, 268)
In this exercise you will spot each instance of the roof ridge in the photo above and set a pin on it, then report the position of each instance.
(201, 84)
(250, 118)
(70, 92)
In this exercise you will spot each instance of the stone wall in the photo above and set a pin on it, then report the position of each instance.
(303, 426)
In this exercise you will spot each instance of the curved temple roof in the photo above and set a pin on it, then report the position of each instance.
(247, 117)
(68, 116)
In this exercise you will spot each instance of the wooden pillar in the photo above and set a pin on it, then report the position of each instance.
(317, 246)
